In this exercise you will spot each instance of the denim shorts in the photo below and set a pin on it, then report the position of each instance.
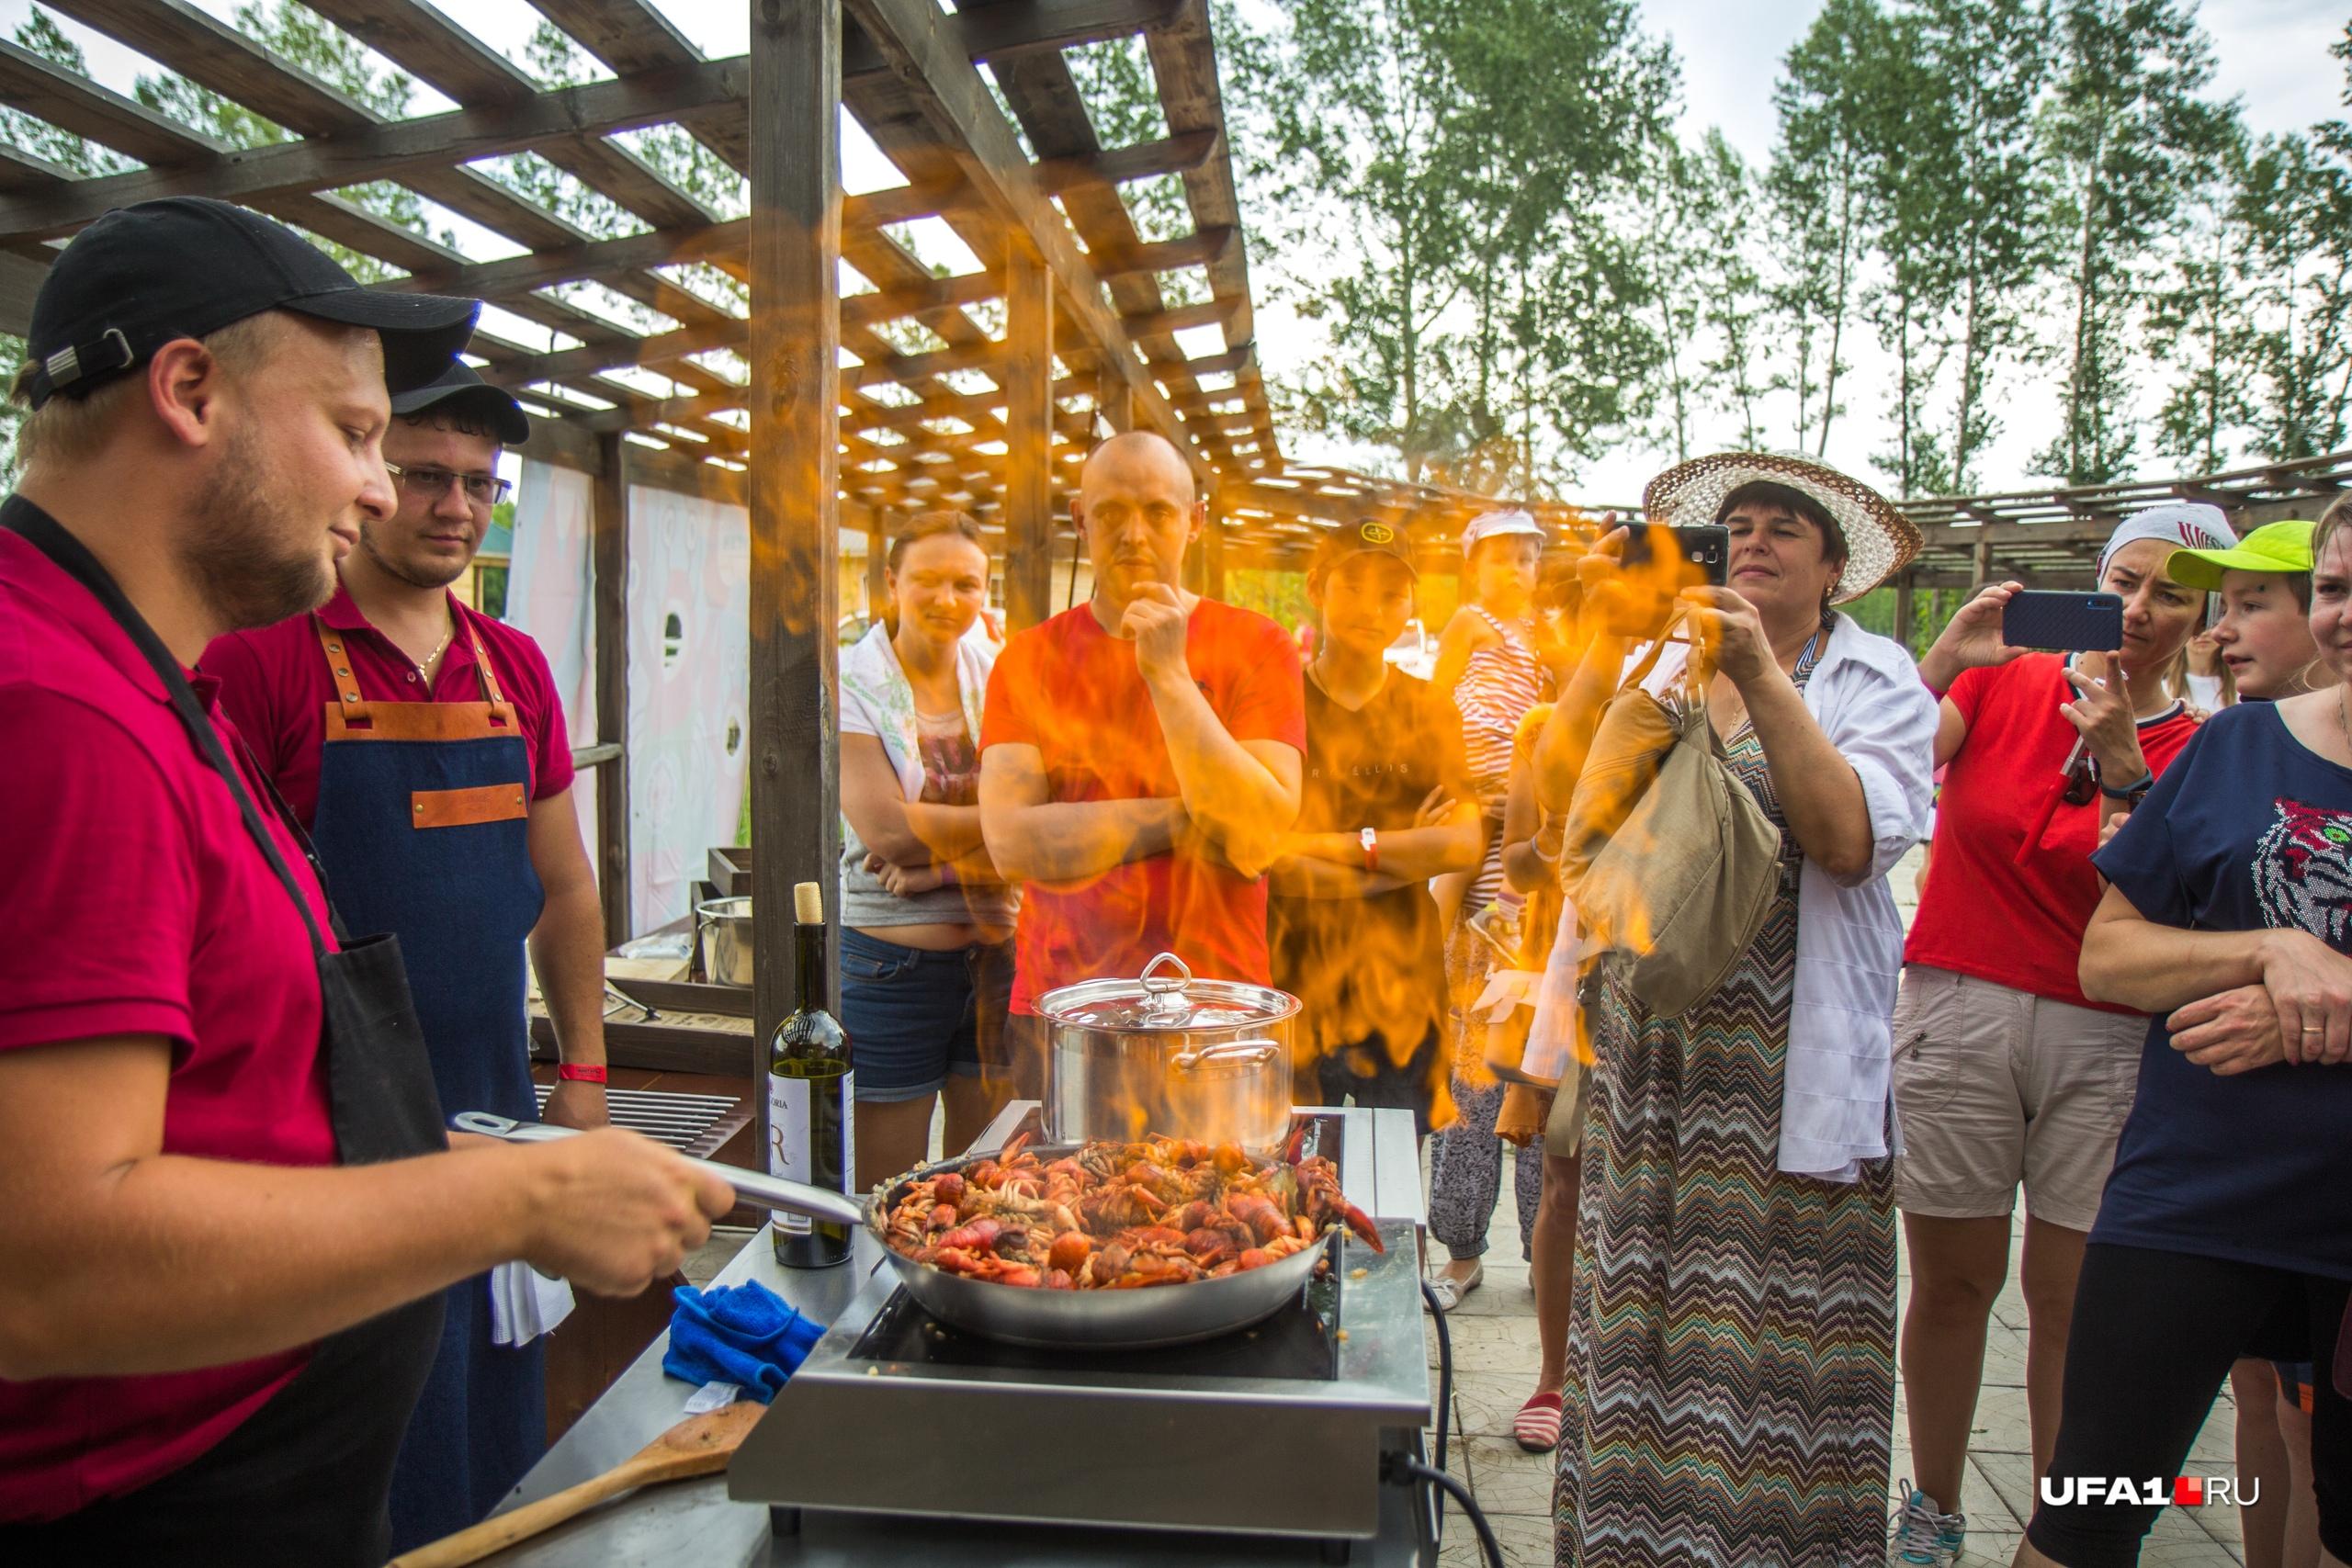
(915, 1018)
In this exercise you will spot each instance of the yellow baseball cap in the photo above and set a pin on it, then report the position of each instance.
(2274, 546)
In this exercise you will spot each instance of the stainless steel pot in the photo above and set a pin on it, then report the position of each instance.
(1167, 1054)
(723, 926)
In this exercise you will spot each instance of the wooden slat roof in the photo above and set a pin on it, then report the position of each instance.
(922, 413)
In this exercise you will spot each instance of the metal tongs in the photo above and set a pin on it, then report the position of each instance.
(752, 1187)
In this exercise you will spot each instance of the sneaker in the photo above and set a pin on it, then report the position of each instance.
(1497, 924)
(1924, 1537)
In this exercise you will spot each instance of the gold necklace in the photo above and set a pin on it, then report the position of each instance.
(426, 663)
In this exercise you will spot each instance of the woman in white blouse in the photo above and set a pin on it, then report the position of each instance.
(1731, 1352)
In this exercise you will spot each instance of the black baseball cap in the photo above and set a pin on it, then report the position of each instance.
(186, 267)
(459, 385)
(1366, 535)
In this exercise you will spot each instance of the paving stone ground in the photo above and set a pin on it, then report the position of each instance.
(1495, 1360)
(1494, 1364)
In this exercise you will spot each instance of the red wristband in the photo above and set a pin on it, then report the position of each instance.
(577, 1072)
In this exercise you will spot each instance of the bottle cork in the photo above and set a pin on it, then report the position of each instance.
(807, 904)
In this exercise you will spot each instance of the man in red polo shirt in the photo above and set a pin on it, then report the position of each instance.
(463, 846)
(1140, 754)
(225, 1227)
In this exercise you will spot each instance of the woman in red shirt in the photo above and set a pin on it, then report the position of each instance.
(2004, 1072)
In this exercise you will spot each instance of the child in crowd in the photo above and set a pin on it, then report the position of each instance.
(1488, 660)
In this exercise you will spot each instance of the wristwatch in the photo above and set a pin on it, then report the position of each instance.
(1369, 838)
(2130, 795)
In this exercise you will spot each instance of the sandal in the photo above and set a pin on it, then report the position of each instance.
(1537, 1426)
(1450, 1290)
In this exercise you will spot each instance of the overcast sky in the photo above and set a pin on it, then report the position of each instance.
(2272, 55)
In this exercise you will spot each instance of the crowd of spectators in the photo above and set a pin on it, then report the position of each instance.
(2125, 991)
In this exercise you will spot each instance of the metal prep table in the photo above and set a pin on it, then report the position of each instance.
(696, 1522)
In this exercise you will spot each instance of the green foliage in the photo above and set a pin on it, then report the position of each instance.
(1281, 596)
(2127, 135)
(1483, 318)
(1817, 194)
(297, 37)
(2296, 203)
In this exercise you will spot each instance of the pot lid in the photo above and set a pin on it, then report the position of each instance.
(1166, 998)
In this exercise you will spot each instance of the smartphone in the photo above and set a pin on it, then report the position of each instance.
(1657, 564)
(1706, 546)
(2063, 622)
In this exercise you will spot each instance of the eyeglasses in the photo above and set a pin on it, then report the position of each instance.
(482, 490)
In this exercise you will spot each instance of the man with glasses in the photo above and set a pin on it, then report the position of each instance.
(463, 841)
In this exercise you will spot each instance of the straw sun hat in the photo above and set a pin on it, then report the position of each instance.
(1879, 541)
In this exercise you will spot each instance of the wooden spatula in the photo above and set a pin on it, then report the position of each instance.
(699, 1445)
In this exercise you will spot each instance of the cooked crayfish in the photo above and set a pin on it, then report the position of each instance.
(1121, 1216)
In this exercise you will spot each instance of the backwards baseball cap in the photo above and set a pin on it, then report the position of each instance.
(466, 392)
(1492, 525)
(1365, 536)
(2274, 546)
(185, 266)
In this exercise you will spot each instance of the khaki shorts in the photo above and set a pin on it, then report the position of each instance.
(1995, 1086)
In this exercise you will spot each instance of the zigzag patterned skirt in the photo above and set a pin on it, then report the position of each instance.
(1731, 1351)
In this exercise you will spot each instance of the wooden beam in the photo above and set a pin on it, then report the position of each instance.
(937, 75)
(1903, 609)
(1029, 441)
(795, 410)
(391, 149)
(565, 443)
(608, 566)
(1213, 548)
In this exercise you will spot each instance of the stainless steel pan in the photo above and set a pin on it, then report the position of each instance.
(1108, 1320)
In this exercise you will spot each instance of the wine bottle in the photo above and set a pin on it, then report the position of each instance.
(811, 1091)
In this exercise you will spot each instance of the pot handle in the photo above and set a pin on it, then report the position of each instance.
(1257, 1052)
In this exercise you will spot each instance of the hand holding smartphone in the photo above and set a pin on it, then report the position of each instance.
(1657, 564)
(2063, 622)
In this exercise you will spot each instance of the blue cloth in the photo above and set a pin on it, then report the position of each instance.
(741, 1334)
(2248, 829)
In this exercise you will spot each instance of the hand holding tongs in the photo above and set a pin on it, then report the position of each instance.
(752, 1187)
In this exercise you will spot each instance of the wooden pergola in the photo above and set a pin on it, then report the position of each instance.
(819, 407)
(2050, 538)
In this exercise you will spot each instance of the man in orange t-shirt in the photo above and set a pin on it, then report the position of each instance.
(1139, 756)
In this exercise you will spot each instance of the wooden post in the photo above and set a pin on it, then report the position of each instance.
(1983, 569)
(1028, 437)
(877, 552)
(608, 610)
(1903, 609)
(1213, 549)
(1117, 403)
(796, 241)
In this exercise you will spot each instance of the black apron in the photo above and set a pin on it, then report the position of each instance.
(304, 1479)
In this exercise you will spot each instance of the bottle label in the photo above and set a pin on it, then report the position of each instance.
(788, 1142)
(788, 1127)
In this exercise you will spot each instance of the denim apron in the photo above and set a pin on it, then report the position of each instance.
(302, 1479)
(422, 823)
